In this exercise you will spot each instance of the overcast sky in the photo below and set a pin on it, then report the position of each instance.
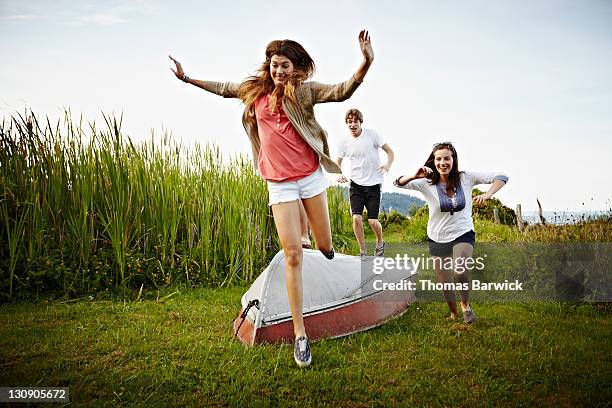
(522, 87)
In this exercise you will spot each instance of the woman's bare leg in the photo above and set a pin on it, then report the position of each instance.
(287, 221)
(445, 275)
(318, 218)
(304, 224)
(461, 252)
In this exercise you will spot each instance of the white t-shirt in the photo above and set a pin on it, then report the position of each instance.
(363, 154)
(449, 218)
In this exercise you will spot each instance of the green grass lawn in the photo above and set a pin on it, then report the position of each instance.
(182, 352)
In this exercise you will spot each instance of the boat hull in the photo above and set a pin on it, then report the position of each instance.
(359, 315)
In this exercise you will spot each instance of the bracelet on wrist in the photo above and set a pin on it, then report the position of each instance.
(185, 78)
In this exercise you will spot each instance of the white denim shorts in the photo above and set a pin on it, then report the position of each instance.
(307, 187)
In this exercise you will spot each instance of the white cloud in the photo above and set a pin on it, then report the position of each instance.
(102, 19)
(20, 17)
(65, 12)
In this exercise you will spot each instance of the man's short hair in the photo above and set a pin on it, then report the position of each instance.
(354, 114)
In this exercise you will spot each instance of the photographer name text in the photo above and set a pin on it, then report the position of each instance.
(426, 284)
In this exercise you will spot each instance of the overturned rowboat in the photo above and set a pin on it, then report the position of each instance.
(342, 296)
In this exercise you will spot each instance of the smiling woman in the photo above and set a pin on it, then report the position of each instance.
(280, 68)
(450, 228)
(290, 149)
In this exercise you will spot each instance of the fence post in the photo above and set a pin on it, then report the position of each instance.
(541, 213)
(496, 214)
(519, 217)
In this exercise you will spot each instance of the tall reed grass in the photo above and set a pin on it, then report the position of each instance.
(84, 209)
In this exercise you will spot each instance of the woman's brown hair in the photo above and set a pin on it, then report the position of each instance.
(262, 83)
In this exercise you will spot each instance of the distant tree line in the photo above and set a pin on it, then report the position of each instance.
(402, 203)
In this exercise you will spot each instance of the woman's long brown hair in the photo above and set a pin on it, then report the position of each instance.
(262, 83)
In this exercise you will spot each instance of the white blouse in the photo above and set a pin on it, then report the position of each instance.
(449, 218)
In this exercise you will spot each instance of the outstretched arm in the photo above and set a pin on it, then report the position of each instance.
(422, 172)
(225, 89)
(368, 55)
(480, 199)
(342, 91)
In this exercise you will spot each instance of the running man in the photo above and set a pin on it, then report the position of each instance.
(367, 175)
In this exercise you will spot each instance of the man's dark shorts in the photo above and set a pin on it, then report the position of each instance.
(365, 196)
(444, 249)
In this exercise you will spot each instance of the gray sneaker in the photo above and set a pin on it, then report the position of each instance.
(362, 256)
(380, 250)
(301, 352)
(469, 317)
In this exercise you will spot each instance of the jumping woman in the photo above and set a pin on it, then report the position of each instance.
(289, 148)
